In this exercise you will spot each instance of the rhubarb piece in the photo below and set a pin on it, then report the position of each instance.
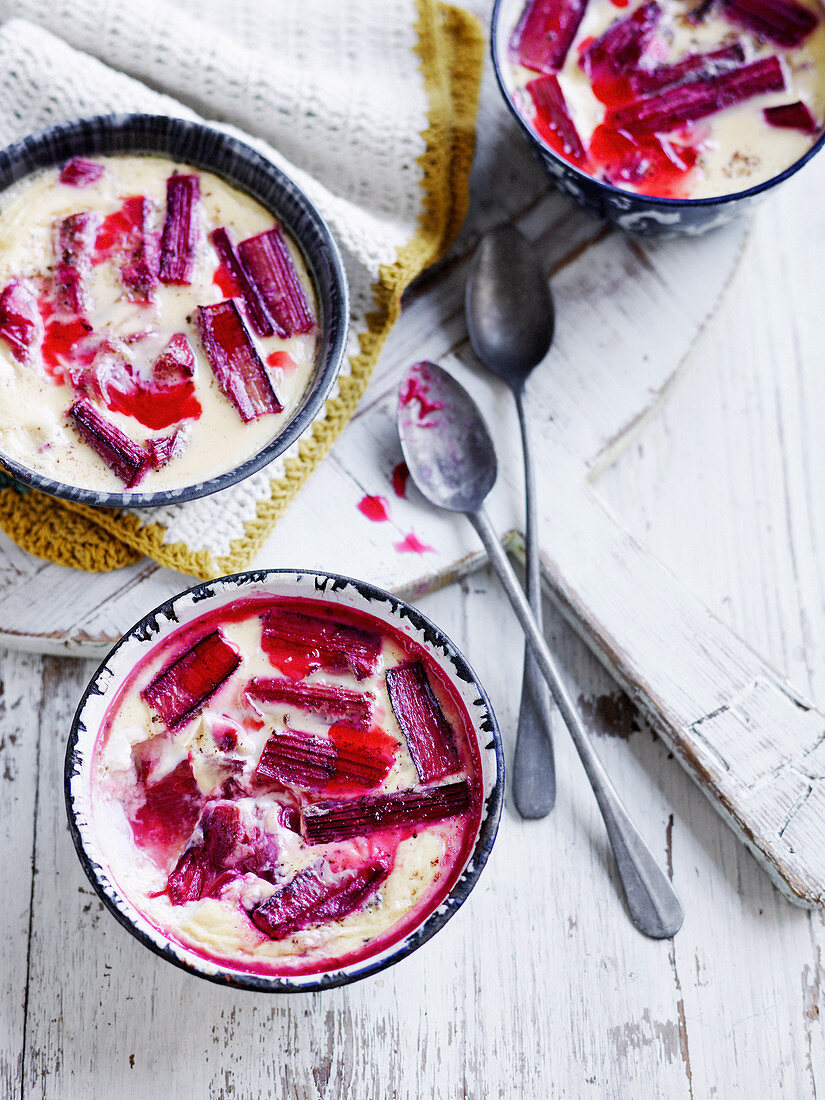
(421, 720)
(784, 22)
(127, 459)
(791, 116)
(325, 643)
(179, 691)
(269, 265)
(551, 108)
(179, 239)
(235, 363)
(190, 879)
(695, 66)
(325, 822)
(545, 33)
(81, 173)
(20, 323)
(73, 242)
(255, 309)
(304, 760)
(175, 365)
(674, 107)
(314, 896)
(162, 449)
(199, 869)
(170, 811)
(624, 42)
(298, 759)
(139, 272)
(335, 704)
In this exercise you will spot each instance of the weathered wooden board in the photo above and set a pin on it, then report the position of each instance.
(629, 316)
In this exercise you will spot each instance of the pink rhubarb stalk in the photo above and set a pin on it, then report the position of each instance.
(235, 362)
(269, 265)
(180, 690)
(325, 822)
(179, 239)
(421, 720)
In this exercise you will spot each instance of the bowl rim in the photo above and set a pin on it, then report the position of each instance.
(119, 133)
(148, 630)
(620, 194)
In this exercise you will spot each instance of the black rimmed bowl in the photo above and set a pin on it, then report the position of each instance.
(195, 602)
(235, 162)
(640, 214)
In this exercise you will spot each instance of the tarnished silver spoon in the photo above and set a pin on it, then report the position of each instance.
(452, 460)
(510, 320)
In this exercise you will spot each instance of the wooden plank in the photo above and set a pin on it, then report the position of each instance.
(20, 698)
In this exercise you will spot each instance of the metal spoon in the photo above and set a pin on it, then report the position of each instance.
(452, 460)
(510, 319)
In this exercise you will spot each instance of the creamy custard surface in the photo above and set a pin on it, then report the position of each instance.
(35, 395)
(725, 152)
(214, 759)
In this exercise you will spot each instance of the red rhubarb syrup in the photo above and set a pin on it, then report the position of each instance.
(165, 815)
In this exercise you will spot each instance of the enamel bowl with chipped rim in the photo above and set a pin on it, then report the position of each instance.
(211, 596)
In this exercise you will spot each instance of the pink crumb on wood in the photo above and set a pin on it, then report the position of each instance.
(400, 474)
(412, 544)
(376, 509)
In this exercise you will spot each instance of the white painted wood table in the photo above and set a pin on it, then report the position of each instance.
(539, 987)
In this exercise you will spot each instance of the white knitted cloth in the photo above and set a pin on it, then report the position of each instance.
(330, 90)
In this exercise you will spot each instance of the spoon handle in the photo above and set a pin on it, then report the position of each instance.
(534, 769)
(651, 899)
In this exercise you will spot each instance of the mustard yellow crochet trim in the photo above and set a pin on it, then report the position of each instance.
(451, 49)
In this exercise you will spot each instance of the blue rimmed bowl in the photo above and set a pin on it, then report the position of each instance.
(641, 214)
(211, 150)
(195, 602)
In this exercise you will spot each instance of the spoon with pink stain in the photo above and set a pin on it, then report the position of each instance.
(452, 460)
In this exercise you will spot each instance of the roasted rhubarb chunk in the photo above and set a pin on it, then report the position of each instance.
(73, 241)
(256, 311)
(674, 107)
(129, 460)
(325, 643)
(335, 704)
(170, 809)
(552, 113)
(783, 22)
(138, 272)
(235, 363)
(421, 720)
(179, 239)
(696, 66)
(81, 173)
(162, 449)
(298, 759)
(792, 116)
(199, 868)
(624, 42)
(325, 822)
(20, 323)
(545, 33)
(315, 896)
(304, 760)
(269, 265)
(181, 689)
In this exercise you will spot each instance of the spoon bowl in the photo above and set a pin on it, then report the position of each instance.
(448, 449)
(510, 313)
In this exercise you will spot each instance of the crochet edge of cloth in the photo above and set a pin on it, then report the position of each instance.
(450, 48)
